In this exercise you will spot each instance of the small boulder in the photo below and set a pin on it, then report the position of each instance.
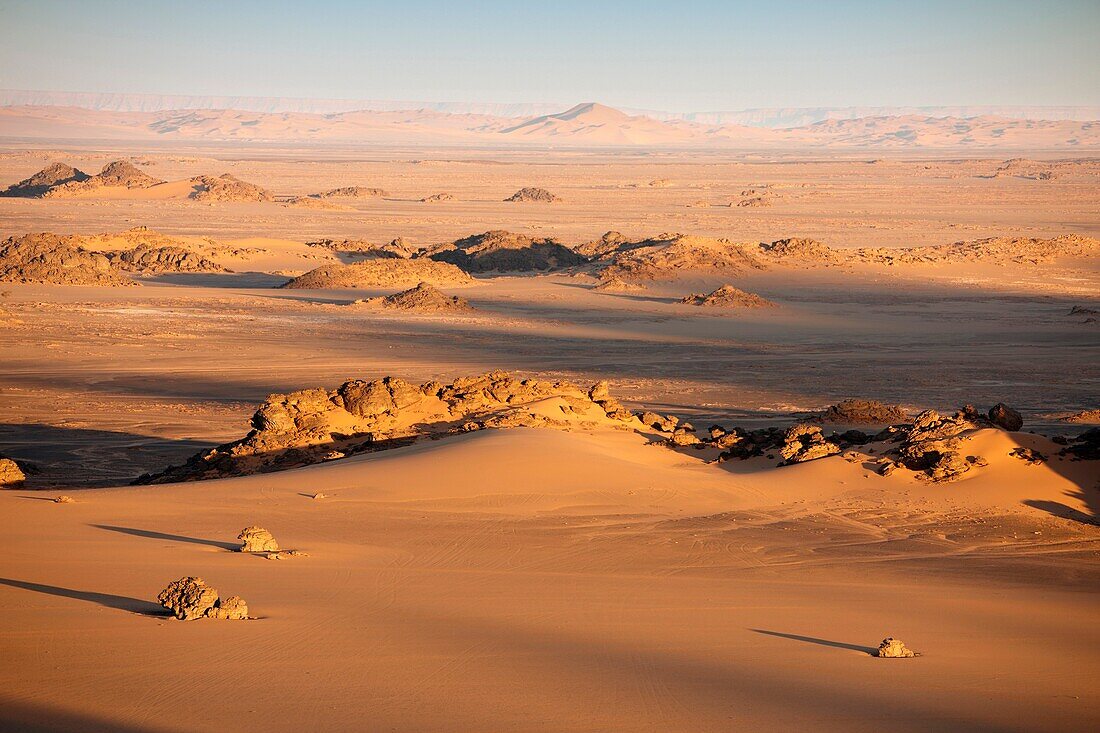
(188, 598)
(233, 608)
(257, 539)
(1005, 417)
(63, 499)
(892, 648)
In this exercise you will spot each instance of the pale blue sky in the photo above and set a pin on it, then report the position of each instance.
(680, 56)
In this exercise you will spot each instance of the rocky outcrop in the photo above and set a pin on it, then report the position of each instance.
(151, 260)
(311, 425)
(423, 298)
(56, 174)
(501, 251)
(190, 598)
(352, 192)
(727, 296)
(530, 193)
(361, 248)
(227, 188)
(49, 258)
(892, 648)
(1087, 417)
(1084, 447)
(802, 251)
(11, 475)
(672, 256)
(857, 411)
(932, 444)
(118, 174)
(382, 273)
(993, 250)
(805, 442)
(312, 202)
(1005, 417)
(436, 198)
(257, 539)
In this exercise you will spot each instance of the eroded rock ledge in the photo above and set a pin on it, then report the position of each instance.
(314, 425)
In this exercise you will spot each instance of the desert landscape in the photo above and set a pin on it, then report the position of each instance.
(336, 416)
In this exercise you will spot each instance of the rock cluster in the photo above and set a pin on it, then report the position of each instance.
(530, 193)
(502, 251)
(1029, 456)
(424, 298)
(190, 598)
(437, 198)
(727, 296)
(382, 273)
(49, 258)
(308, 426)
(56, 174)
(1085, 447)
(892, 648)
(257, 539)
(11, 475)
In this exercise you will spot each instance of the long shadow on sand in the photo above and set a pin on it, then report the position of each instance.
(149, 534)
(28, 717)
(820, 642)
(121, 603)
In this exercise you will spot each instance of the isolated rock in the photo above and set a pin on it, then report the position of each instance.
(1005, 417)
(11, 475)
(857, 411)
(502, 251)
(892, 648)
(56, 174)
(423, 298)
(533, 194)
(257, 539)
(64, 499)
(188, 598)
(727, 296)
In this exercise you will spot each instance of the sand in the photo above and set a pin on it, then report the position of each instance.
(585, 577)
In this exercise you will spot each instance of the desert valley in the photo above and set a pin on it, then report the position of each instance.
(579, 420)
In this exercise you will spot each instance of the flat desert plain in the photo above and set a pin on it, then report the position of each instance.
(535, 549)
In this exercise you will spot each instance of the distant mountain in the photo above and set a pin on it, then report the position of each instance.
(593, 123)
(777, 117)
(585, 125)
